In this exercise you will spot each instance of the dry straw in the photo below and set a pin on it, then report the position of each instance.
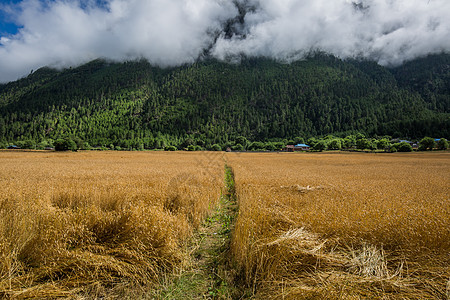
(96, 224)
(343, 226)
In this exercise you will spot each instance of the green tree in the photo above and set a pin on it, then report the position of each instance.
(312, 142)
(238, 147)
(270, 146)
(299, 140)
(383, 144)
(243, 141)
(442, 144)
(335, 144)
(360, 135)
(349, 141)
(65, 145)
(45, 143)
(404, 147)
(427, 143)
(29, 144)
(79, 142)
(216, 147)
(256, 146)
(187, 142)
(363, 143)
(321, 145)
(86, 146)
(279, 145)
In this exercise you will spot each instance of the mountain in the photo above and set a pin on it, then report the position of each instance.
(134, 103)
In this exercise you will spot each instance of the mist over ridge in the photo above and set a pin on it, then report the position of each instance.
(64, 33)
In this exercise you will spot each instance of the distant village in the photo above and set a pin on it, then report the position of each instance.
(413, 145)
(355, 144)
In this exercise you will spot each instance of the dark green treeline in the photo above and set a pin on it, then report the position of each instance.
(136, 105)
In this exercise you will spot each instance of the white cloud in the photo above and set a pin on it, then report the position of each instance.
(64, 33)
(61, 33)
(389, 31)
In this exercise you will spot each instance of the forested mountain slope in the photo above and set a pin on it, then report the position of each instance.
(209, 102)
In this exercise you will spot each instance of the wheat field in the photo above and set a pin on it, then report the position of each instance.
(343, 225)
(95, 224)
(309, 226)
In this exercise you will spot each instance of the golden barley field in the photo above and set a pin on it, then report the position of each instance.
(309, 225)
(92, 224)
(343, 225)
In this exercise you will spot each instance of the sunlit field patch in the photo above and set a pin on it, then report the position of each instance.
(343, 225)
(97, 223)
(321, 226)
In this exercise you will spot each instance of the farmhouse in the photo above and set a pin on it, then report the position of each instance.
(298, 147)
(302, 147)
(289, 148)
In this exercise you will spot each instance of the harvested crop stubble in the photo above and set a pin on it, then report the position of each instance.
(93, 224)
(343, 225)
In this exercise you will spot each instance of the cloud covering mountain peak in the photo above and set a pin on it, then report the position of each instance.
(63, 33)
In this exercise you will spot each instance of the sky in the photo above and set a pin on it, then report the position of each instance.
(64, 33)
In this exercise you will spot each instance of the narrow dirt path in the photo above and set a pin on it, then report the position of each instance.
(211, 275)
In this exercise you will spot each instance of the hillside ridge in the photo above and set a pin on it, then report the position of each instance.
(211, 102)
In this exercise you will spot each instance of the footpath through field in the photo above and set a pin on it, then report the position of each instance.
(211, 275)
